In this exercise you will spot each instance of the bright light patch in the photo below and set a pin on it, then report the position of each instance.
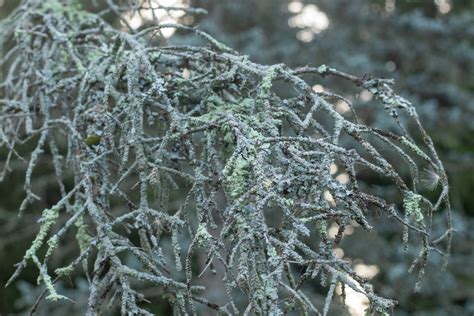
(339, 253)
(333, 168)
(390, 5)
(134, 20)
(186, 73)
(295, 7)
(318, 88)
(444, 6)
(329, 198)
(366, 96)
(349, 230)
(356, 302)
(366, 271)
(310, 19)
(343, 178)
(391, 66)
(342, 107)
(162, 16)
(332, 231)
(305, 36)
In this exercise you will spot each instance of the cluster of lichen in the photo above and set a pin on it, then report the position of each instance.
(414, 148)
(411, 204)
(47, 220)
(215, 164)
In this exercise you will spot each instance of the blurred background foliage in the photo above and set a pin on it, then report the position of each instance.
(426, 46)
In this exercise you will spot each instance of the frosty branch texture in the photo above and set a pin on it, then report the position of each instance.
(180, 151)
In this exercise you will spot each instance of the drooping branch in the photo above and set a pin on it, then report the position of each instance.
(176, 143)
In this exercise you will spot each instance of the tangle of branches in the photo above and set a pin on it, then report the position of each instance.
(181, 152)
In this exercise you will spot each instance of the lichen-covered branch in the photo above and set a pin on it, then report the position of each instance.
(177, 151)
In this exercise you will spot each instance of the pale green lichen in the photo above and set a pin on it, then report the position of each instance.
(72, 10)
(82, 236)
(322, 69)
(270, 290)
(65, 271)
(273, 258)
(44, 276)
(267, 80)
(242, 224)
(219, 45)
(47, 220)
(322, 227)
(176, 249)
(405, 141)
(375, 311)
(53, 295)
(238, 175)
(225, 128)
(52, 244)
(202, 235)
(411, 203)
